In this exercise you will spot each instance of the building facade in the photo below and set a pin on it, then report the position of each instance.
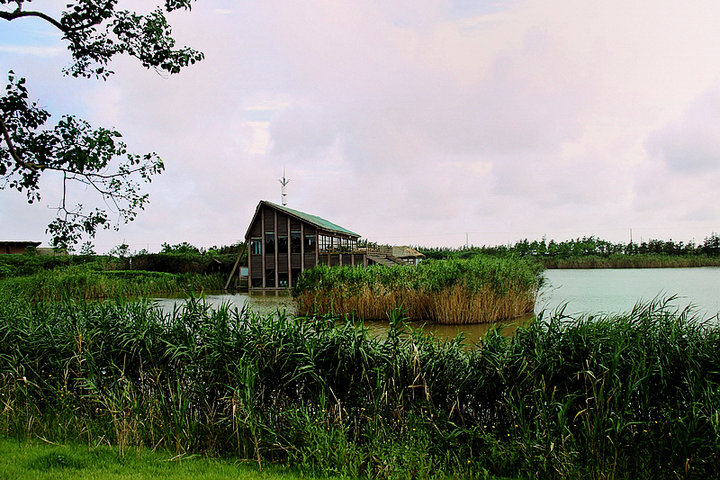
(282, 243)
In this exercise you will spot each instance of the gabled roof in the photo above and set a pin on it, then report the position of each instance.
(318, 222)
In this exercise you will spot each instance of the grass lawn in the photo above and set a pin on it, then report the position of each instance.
(40, 461)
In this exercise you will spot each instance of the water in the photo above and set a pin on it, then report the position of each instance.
(270, 303)
(618, 290)
(581, 290)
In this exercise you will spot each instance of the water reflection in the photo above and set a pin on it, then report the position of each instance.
(471, 333)
(273, 302)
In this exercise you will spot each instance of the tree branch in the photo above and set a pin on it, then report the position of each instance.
(10, 16)
(10, 145)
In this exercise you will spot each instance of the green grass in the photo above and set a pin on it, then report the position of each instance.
(42, 461)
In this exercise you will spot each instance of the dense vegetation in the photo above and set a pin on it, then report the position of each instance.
(475, 290)
(592, 252)
(633, 396)
(176, 269)
(85, 282)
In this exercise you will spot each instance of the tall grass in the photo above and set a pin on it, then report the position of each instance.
(629, 396)
(631, 261)
(455, 291)
(81, 282)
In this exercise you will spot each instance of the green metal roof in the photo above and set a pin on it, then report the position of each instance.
(313, 219)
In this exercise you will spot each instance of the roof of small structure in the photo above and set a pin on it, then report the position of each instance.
(318, 222)
(406, 252)
(19, 242)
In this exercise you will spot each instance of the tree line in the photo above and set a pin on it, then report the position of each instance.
(583, 247)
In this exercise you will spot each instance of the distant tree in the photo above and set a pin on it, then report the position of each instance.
(87, 249)
(180, 248)
(94, 32)
(711, 245)
(121, 250)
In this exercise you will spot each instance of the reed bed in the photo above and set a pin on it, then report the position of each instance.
(632, 261)
(478, 290)
(81, 282)
(624, 397)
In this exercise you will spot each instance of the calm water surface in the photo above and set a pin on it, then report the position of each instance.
(272, 303)
(582, 291)
(618, 290)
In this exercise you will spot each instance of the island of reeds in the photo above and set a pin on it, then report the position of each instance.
(455, 291)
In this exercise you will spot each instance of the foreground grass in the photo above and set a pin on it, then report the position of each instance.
(625, 397)
(41, 461)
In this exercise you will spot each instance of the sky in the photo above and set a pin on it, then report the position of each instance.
(417, 122)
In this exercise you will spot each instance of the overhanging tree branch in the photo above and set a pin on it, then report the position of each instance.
(94, 32)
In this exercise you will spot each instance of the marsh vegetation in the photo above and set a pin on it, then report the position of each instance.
(481, 289)
(628, 396)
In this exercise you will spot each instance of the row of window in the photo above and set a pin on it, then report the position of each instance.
(256, 246)
(336, 244)
(327, 244)
(283, 279)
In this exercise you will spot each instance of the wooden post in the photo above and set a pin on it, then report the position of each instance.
(244, 247)
(276, 257)
(263, 251)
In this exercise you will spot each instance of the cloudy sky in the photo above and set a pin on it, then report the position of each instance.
(424, 122)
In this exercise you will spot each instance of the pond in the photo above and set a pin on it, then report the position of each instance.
(617, 290)
(268, 303)
(580, 290)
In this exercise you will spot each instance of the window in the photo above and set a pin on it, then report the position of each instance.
(270, 277)
(283, 280)
(345, 245)
(257, 282)
(295, 242)
(325, 243)
(309, 243)
(269, 243)
(282, 244)
(295, 275)
(256, 246)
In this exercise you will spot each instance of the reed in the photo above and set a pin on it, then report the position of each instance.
(82, 282)
(477, 290)
(631, 261)
(627, 396)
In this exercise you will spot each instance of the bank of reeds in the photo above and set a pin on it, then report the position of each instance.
(482, 289)
(81, 282)
(625, 397)
(631, 261)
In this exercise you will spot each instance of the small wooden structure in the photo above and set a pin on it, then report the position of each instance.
(10, 247)
(283, 242)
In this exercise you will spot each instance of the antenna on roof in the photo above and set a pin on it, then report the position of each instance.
(283, 193)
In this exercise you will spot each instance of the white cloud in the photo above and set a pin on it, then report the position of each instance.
(418, 122)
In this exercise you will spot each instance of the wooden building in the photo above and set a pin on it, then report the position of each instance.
(283, 242)
(17, 247)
